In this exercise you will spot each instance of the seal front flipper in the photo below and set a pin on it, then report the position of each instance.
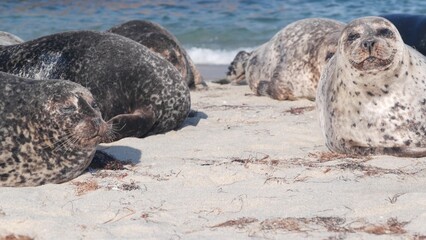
(136, 124)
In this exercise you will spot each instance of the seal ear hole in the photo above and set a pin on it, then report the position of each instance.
(353, 36)
(385, 32)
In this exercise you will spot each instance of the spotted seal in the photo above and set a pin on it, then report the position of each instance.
(137, 91)
(371, 97)
(160, 40)
(9, 39)
(49, 130)
(288, 66)
(412, 29)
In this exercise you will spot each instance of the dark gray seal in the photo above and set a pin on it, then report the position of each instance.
(160, 40)
(9, 39)
(412, 29)
(139, 92)
(289, 65)
(49, 130)
(371, 96)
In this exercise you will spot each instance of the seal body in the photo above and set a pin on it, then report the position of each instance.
(288, 66)
(371, 97)
(137, 91)
(412, 29)
(9, 39)
(49, 130)
(160, 40)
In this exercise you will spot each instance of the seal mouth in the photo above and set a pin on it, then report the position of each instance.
(93, 132)
(373, 63)
(103, 130)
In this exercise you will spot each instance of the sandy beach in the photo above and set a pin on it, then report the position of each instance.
(241, 167)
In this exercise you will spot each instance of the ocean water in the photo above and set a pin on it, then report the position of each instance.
(212, 31)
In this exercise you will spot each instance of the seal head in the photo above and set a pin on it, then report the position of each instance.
(159, 40)
(49, 130)
(371, 45)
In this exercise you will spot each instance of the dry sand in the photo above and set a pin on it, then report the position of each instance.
(242, 167)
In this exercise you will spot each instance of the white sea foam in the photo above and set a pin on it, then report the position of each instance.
(213, 56)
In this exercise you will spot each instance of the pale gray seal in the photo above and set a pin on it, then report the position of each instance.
(49, 130)
(9, 39)
(288, 66)
(371, 97)
(138, 91)
(160, 40)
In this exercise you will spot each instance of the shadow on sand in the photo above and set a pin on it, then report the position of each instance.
(194, 118)
(115, 157)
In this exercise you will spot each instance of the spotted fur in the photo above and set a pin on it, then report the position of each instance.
(48, 130)
(160, 40)
(288, 66)
(371, 97)
(138, 91)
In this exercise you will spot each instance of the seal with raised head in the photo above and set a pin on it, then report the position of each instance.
(49, 130)
(9, 39)
(160, 40)
(288, 66)
(371, 97)
(137, 91)
(412, 29)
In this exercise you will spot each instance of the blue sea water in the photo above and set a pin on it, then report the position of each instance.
(212, 31)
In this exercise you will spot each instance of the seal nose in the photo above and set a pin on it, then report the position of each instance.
(96, 122)
(368, 44)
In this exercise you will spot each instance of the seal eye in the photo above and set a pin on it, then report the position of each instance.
(384, 32)
(353, 36)
(94, 105)
(68, 109)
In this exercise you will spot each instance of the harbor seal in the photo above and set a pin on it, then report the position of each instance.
(160, 40)
(137, 91)
(9, 39)
(412, 29)
(371, 96)
(49, 130)
(288, 66)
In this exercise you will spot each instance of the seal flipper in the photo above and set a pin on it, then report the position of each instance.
(263, 88)
(268, 88)
(136, 124)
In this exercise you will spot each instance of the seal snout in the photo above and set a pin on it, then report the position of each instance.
(368, 44)
(104, 128)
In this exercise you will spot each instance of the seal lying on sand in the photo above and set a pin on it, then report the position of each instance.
(139, 92)
(161, 41)
(371, 97)
(9, 39)
(412, 29)
(49, 130)
(288, 66)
